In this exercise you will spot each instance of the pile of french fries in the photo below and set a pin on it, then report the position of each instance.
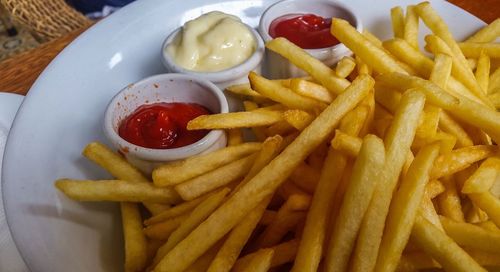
(388, 161)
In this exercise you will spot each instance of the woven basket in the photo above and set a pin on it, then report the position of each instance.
(47, 19)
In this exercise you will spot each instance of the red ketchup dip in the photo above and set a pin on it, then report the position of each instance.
(308, 31)
(162, 125)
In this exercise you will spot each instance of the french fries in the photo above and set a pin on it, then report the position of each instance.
(398, 171)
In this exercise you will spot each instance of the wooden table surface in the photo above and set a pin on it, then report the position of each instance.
(18, 73)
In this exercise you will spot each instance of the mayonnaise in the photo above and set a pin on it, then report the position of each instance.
(212, 42)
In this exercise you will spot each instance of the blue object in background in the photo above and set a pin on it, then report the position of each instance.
(88, 6)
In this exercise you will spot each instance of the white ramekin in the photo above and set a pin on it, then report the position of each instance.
(277, 66)
(234, 75)
(164, 88)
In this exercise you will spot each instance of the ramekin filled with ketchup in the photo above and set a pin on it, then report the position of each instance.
(146, 121)
(307, 24)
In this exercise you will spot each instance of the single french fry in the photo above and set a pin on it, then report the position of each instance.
(356, 200)
(463, 108)
(283, 253)
(411, 26)
(116, 190)
(442, 248)
(118, 167)
(305, 177)
(489, 204)
(244, 89)
(196, 217)
(483, 71)
(430, 121)
(404, 208)
(471, 236)
(488, 225)
(373, 56)
(266, 181)
(162, 230)
(345, 67)
(372, 38)
(433, 188)
(288, 215)
(234, 137)
(459, 159)
(175, 211)
(494, 82)
(235, 120)
(428, 211)
(441, 71)
(217, 178)
(283, 95)
(314, 67)
(398, 22)
(449, 125)
(202, 263)
(363, 68)
(177, 172)
(483, 178)
(135, 241)
(474, 50)
(486, 34)
(397, 143)
(279, 128)
(260, 261)
(354, 121)
(310, 89)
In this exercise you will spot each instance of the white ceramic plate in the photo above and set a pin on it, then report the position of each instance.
(64, 111)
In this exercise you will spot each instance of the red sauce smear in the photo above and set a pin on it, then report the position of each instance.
(308, 31)
(162, 125)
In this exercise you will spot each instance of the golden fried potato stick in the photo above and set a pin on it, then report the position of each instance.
(459, 159)
(260, 261)
(118, 167)
(486, 34)
(488, 225)
(306, 177)
(135, 242)
(474, 50)
(283, 253)
(310, 89)
(471, 236)
(177, 172)
(363, 68)
(494, 82)
(470, 112)
(230, 120)
(217, 178)
(347, 144)
(483, 178)
(442, 248)
(314, 67)
(177, 210)
(357, 197)
(265, 182)
(312, 243)
(428, 211)
(345, 67)
(398, 22)
(397, 143)
(283, 95)
(202, 263)
(441, 70)
(373, 56)
(116, 190)
(489, 204)
(404, 208)
(280, 128)
(162, 230)
(411, 26)
(198, 215)
(483, 71)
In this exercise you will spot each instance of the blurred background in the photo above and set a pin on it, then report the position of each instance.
(26, 24)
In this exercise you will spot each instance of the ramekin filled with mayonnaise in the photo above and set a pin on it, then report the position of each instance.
(215, 46)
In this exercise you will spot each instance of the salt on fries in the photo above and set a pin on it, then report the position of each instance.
(395, 170)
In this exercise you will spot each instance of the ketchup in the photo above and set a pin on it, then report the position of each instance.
(305, 30)
(162, 125)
